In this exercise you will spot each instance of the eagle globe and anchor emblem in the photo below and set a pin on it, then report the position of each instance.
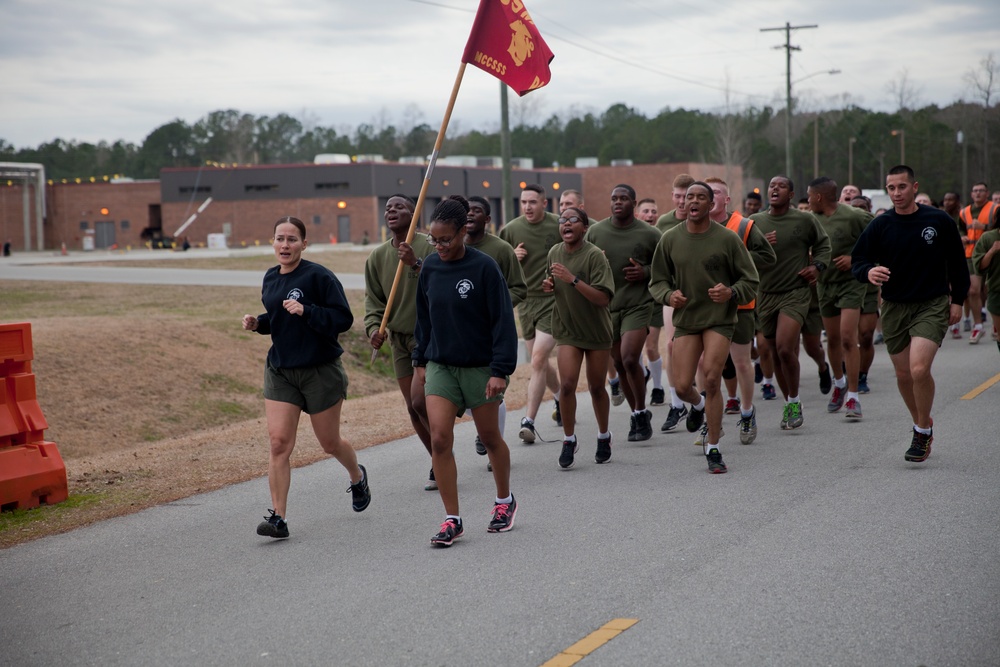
(521, 45)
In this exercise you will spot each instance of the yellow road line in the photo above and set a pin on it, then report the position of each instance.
(981, 388)
(591, 642)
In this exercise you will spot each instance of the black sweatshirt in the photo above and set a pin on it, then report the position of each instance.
(923, 252)
(310, 339)
(464, 315)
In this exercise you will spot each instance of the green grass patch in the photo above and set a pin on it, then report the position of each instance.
(216, 382)
(19, 519)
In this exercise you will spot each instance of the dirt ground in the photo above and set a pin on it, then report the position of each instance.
(154, 394)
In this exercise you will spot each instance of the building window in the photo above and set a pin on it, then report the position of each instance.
(317, 219)
(272, 187)
(200, 190)
(84, 225)
(341, 185)
(125, 224)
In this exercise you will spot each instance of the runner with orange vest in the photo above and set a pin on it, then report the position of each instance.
(973, 221)
(739, 352)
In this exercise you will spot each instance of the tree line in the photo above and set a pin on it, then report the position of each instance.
(753, 138)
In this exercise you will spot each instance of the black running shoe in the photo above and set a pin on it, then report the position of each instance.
(503, 516)
(657, 396)
(273, 526)
(758, 374)
(715, 464)
(617, 397)
(695, 419)
(450, 531)
(527, 432)
(361, 495)
(920, 448)
(480, 447)
(674, 418)
(767, 392)
(568, 450)
(643, 426)
(556, 415)
(432, 484)
(863, 383)
(603, 449)
(825, 381)
(632, 425)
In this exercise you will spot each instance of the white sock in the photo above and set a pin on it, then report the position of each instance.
(457, 518)
(508, 500)
(731, 397)
(656, 370)
(925, 431)
(701, 404)
(840, 382)
(502, 416)
(746, 413)
(636, 413)
(675, 400)
(854, 395)
(569, 438)
(978, 326)
(603, 436)
(769, 381)
(709, 447)
(793, 399)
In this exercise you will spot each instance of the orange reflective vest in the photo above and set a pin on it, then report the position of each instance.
(972, 234)
(741, 226)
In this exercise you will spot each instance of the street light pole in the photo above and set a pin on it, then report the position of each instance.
(902, 144)
(788, 28)
(850, 160)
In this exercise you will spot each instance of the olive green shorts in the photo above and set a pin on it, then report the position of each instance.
(314, 388)
(904, 321)
(993, 303)
(746, 327)
(656, 317)
(968, 263)
(402, 345)
(870, 305)
(723, 330)
(631, 319)
(465, 387)
(843, 295)
(535, 314)
(794, 304)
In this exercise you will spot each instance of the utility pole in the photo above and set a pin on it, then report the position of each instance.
(505, 159)
(788, 28)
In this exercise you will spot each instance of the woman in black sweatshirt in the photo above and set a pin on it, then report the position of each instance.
(466, 347)
(306, 311)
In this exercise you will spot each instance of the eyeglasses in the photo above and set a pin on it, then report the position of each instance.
(572, 219)
(440, 243)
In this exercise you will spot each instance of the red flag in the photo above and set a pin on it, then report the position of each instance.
(505, 43)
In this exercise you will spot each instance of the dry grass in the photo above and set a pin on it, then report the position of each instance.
(153, 394)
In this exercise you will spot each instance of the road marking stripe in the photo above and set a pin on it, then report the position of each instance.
(591, 642)
(981, 388)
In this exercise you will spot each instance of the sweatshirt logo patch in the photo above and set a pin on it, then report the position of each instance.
(294, 294)
(928, 234)
(463, 287)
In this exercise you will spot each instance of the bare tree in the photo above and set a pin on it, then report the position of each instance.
(983, 82)
(905, 94)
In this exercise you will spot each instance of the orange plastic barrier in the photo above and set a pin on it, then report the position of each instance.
(31, 469)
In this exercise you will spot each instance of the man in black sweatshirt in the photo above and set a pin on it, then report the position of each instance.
(915, 254)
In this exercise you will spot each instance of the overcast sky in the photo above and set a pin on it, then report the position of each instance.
(118, 69)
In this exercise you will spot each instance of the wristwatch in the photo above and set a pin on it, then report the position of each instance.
(576, 279)
(417, 264)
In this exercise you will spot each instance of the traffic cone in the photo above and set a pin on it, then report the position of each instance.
(64, 251)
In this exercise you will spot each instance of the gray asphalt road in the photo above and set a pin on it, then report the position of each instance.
(820, 546)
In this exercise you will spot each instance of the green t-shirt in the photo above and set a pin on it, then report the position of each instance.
(505, 258)
(380, 270)
(537, 238)
(667, 221)
(635, 241)
(693, 264)
(992, 272)
(799, 235)
(575, 320)
(843, 226)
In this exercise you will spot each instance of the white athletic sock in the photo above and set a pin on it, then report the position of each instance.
(502, 416)
(978, 326)
(701, 403)
(675, 400)
(509, 499)
(529, 420)
(636, 413)
(731, 397)
(709, 447)
(769, 381)
(840, 382)
(604, 435)
(569, 438)
(854, 395)
(613, 382)
(656, 370)
(457, 518)
(925, 431)
(793, 399)
(746, 413)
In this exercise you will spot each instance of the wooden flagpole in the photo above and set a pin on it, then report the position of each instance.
(420, 200)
